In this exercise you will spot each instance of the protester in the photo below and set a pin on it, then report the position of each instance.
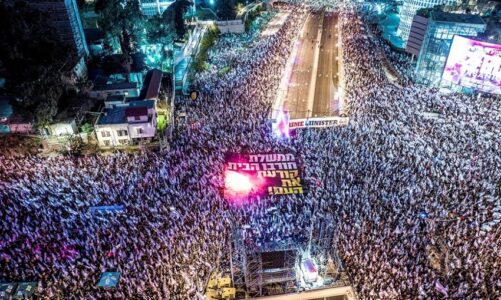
(396, 182)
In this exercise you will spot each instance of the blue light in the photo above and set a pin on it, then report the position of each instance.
(211, 2)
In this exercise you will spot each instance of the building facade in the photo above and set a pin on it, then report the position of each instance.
(127, 123)
(441, 29)
(65, 19)
(155, 7)
(409, 10)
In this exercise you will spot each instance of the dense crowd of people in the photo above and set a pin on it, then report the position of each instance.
(401, 62)
(415, 172)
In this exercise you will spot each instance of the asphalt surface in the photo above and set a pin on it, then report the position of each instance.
(324, 103)
(296, 99)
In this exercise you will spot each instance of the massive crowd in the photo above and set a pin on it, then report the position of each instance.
(414, 172)
(402, 63)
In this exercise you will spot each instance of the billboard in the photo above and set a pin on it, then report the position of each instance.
(263, 174)
(474, 64)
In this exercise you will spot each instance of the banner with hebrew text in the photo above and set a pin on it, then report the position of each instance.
(262, 174)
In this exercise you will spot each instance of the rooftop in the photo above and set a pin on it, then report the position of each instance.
(115, 98)
(456, 18)
(152, 83)
(142, 103)
(136, 111)
(112, 116)
(116, 86)
(118, 115)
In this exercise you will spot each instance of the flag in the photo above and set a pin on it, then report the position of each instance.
(440, 288)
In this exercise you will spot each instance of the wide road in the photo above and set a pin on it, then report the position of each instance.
(322, 100)
(325, 103)
(296, 99)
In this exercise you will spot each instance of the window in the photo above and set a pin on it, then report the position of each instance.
(107, 143)
(122, 132)
(123, 141)
(139, 130)
(105, 133)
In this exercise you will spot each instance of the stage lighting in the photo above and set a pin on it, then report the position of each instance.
(237, 182)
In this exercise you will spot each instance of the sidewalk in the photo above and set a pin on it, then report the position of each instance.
(184, 57)
(283, 87)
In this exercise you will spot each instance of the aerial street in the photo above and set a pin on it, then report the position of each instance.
(312, 89)
(269, 150)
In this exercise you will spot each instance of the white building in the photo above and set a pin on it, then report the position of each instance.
(63, 127)
(155, 7)
(128, 123)
(409, 10)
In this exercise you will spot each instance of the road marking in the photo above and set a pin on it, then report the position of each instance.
(313, 81)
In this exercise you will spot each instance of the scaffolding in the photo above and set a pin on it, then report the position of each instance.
(254, 270)
(250, 273)
(256, 277)
(237, 259)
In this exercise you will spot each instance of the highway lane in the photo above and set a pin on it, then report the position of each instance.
(296, 99)
(323, 100)
(327, 82)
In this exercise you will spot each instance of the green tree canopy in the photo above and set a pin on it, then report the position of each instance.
(122, 19)
(176, 12)
(160, 29)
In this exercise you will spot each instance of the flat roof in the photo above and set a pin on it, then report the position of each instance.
(114, 115)
(142, 103)
(114, 98)
(116, 86)
(456, 18)
(118, 115)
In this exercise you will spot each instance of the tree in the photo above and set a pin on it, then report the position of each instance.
(175, 13)
(226, 9)
(122, 19)
(160, 29)
(209, 39)
(126, 64)
(35, 61)
(86, 128)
